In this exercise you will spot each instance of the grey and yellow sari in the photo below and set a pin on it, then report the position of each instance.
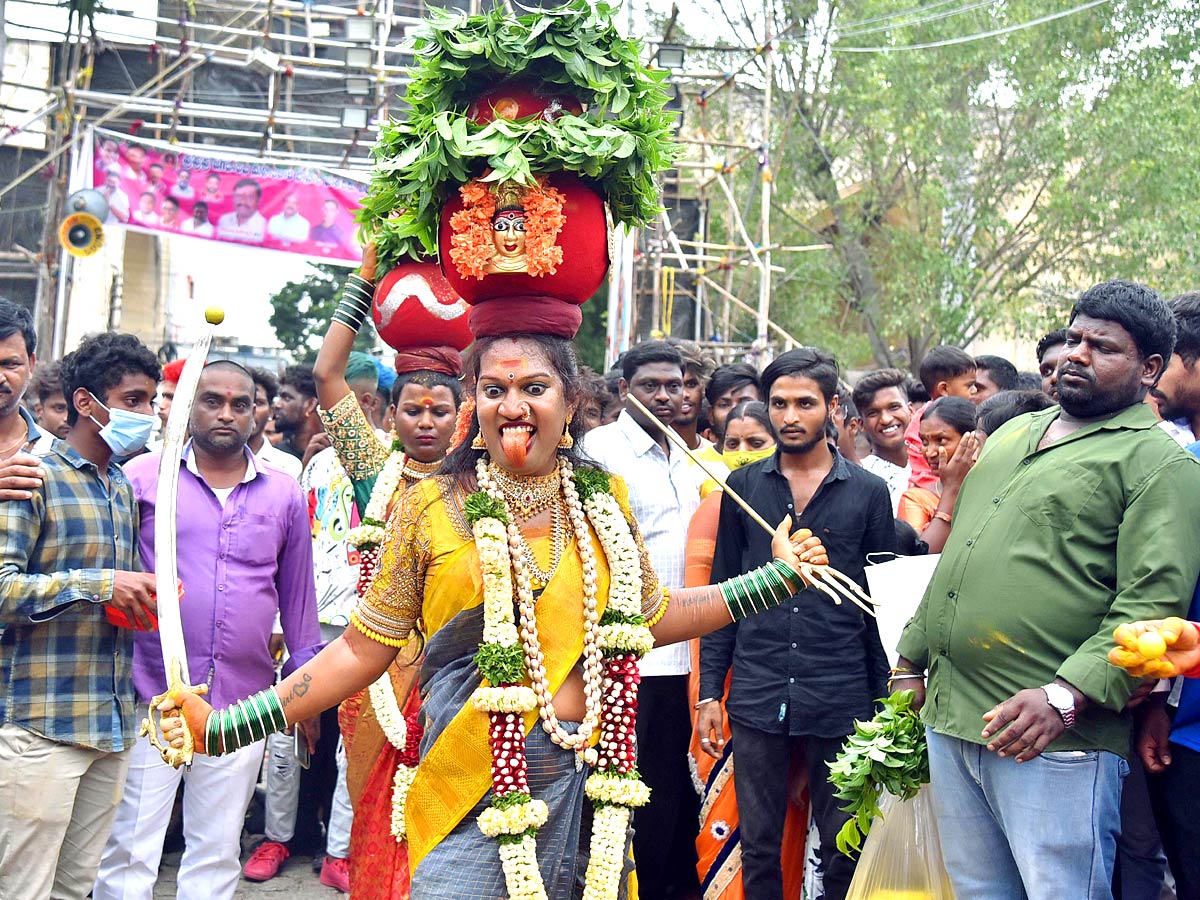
(430, 574)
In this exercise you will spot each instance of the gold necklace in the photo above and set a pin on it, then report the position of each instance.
(558, 543)
(415, 470)
(529, 494)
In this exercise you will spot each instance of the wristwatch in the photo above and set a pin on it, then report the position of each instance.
(1063, 702)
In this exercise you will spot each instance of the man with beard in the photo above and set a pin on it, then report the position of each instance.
(248, 556)
(295, 414)
(1177, 393)
(805, 670)
(664, 491)
(266, 389)
(1074, 520)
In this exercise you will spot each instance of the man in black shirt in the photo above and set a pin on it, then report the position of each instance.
(803, 671)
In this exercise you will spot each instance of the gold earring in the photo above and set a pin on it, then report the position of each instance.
(566, 442)
(479, 443)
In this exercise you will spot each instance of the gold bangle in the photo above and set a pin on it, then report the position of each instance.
(661, 611)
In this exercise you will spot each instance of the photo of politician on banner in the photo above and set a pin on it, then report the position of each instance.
(157, 187)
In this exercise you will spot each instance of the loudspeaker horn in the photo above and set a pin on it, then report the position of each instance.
(81, 232)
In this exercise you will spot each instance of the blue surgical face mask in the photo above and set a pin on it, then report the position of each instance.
(126, 432)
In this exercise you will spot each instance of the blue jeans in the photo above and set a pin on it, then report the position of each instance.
(1042, 830)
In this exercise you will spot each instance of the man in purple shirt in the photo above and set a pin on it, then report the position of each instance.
(245, 553)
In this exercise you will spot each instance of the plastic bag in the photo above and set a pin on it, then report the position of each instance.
(902, 859)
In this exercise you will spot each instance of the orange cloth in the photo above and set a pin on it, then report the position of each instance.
(378, 862)
(719, 869)
(917, 506)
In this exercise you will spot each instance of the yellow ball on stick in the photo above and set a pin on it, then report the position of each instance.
(214, 315)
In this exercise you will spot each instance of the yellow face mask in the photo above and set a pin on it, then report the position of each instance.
(745, 457)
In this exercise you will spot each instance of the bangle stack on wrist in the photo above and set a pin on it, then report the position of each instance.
(244, 723)
(759, 589)
(355, 304)
(903, 673)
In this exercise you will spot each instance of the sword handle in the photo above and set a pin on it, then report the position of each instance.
(152, 727)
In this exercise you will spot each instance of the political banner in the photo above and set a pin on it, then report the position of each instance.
(160, 188)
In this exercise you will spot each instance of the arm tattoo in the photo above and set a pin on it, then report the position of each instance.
(297, 691)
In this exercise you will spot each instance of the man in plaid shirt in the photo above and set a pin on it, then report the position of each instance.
(68, 562)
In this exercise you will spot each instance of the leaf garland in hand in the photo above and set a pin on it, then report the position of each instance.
(888, 753)
(621, 141)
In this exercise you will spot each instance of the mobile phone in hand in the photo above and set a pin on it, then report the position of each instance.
(300, 749)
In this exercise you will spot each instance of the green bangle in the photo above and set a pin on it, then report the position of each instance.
(757, 590)
(211, 734)
(238, 716)
(275, 706)
(254, 722)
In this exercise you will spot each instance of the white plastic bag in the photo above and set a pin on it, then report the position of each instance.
(902, 858)
(898, 586)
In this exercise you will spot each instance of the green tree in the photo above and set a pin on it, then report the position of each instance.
(302, 311)
(973, 186)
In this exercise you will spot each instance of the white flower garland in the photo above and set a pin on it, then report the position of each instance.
(610, 654)
(387, 482)
(401, 784)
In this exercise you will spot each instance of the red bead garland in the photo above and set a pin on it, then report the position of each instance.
(368, 564)
(618, 721)
(506, 735)
(414, 731)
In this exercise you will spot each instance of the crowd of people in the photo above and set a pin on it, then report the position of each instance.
(308, 518)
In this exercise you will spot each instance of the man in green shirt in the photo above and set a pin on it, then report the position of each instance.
(1074, 520)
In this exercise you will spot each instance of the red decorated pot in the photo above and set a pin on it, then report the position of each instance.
(415, 306)
(522, 100)
(509, 240)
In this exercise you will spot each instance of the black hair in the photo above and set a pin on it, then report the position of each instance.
(1137, 309)
(300, 378)
(874, 382)
(101, 362)
(957, 412)
(1028, 381)
(47, 380)
(1186, 309)
(999, 408)
(197, 205)
(804, 362)
(915, 390)
(908, 542)
(244, 182)
(751, 409)
(730, 377)
(237, 367)
(1050, 339)
(560, 353)
(647, 353)
(16, 319)
(943, 363)
(1000, 370)
(428, 379)
(593, 387)
(265, 380)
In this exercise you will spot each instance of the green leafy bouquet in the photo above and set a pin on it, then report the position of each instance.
(887, 753)
(621, 140)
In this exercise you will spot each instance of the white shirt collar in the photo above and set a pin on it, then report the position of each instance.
(190, 461)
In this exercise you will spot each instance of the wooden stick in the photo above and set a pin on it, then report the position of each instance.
(675, 439)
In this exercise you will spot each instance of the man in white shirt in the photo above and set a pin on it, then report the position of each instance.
(289, 226)
(244, 222)
(182, 189)
(663, 493)
(118, 200)
(266, 387)
(883, 405)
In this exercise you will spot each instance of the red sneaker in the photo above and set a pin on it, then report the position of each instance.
(335, 873)
(266, 861)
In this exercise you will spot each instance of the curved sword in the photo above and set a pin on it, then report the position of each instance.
(166, 563)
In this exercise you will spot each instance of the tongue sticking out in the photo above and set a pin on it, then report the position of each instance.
(515, 444)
